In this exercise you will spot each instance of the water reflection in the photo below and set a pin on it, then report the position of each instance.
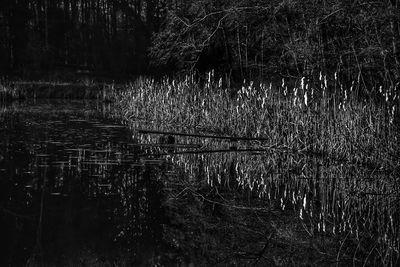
(78, 189)
(329, 194)
(73, 189)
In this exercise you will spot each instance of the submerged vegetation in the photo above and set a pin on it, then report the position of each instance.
(322, 150)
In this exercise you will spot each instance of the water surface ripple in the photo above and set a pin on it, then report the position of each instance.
(72, 188)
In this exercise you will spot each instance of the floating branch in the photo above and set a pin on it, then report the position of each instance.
(232, 138)
(212, 151)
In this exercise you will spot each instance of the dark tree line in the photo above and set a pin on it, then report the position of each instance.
(239, 39)
(106, 36)
(251, 38)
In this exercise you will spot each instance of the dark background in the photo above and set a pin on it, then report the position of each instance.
(251, 39)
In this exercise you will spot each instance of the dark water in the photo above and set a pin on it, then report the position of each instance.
(77, 188)
(73, 190)
(345, 198)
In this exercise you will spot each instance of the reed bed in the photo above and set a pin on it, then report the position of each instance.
(304, 118)
(330, 154)
(10, 93)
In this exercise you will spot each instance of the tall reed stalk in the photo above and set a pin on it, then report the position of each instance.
(329, 152)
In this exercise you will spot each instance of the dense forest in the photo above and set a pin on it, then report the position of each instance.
(240, 39)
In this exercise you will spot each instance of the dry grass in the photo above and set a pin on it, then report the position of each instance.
(330, 155)
(301, 118)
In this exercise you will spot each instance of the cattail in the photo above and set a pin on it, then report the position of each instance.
(305, 98)
(392, 114)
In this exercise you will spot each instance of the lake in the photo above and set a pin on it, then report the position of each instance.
(78, 187)
(73, 187)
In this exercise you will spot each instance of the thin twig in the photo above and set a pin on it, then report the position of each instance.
(223, 204)
(261, 253)
(9, 212)
(340, 248)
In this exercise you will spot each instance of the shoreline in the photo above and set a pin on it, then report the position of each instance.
(14, 91)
